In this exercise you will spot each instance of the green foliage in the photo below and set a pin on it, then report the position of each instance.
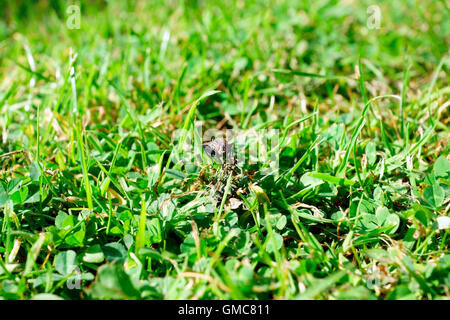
(94, 203)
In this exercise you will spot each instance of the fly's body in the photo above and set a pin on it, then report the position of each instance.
(220, 150)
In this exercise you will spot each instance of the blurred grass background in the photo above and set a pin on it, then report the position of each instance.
(139, 66)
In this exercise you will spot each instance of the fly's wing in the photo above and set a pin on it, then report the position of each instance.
(229, 153)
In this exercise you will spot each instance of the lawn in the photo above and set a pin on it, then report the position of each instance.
(336, 112)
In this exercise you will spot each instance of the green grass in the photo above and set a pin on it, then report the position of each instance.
(93, 204)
